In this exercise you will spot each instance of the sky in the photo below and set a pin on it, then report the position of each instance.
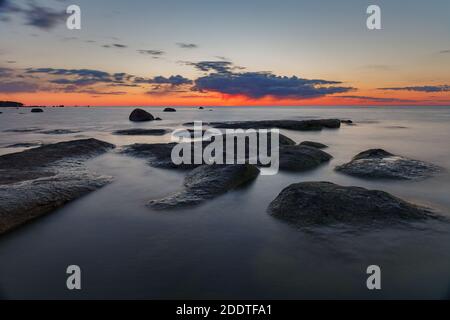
(225, 53)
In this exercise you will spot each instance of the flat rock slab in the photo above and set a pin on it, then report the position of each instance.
(299, 125)
(206, 182)
(159, 154)
(322, 203)
(380, 164)
(37, 181)
(141, 132)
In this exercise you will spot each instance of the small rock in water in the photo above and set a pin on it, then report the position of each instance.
(158, 119)
(322, 203)
(169, 110)
(317, 145)
(36, 110)
(378, 163)
(59, 131)
(206, 182)
(138, 115)
(23, 145)
(141, 132)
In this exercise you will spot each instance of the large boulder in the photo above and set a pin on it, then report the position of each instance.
(378, 163)
(138, 115)
(321, 203)
(36, 181)
(207, 182)
(301, 158)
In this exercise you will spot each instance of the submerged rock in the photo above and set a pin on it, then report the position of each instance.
(36, 110)
(207, 182)
(301, 158)
(299, 125)
(321, 203)
(24, 145)
(141, 132)
(169, 110)
(59, 131)
(378, 163)
(317, 145)
(138, 115)
(37, 181)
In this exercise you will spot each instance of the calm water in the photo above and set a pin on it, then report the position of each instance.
(229, 247)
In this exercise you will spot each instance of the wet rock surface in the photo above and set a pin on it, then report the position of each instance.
(313, 144)
(141, 132)
(24, 145)
(139, 115)
(380, 164)
(322, 203)
(37, 181)
(299, 125)
(206, 182)
(301, 158)
(159, 154)
(59, 131)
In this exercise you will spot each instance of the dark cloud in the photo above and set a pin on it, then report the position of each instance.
(187, 45)
(215, 66)
(115, 45)
(34, 15)
(81, 77)
(154, 53)
(440, 88)
(17, 86)
(160, 80)
(375, 99)
(262, 84)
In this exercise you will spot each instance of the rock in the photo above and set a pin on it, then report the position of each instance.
(141, 132)
(169, 110)
(201, 108)
(158, 119)
(301, 158)
(37, 110)
(24, 145)
(23, 130)
(207, 182)
(347, 121)
(59, 131)
(313, 144)
(378, 163)
(322, 203)
(138, 115)
(33, 163)
(159, 154)
(37, 181)
(299, 125)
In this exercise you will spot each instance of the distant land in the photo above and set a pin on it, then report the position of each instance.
(10, 104)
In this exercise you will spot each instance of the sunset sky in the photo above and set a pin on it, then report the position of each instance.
(225, 53)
